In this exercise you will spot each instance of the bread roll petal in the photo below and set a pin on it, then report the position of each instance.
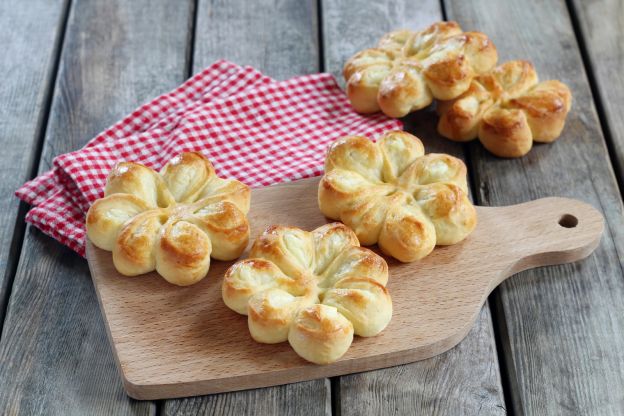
(355, 262)
(218, 189)
(271, 313)
(546, 107)
(340, 189)
(367, 215)
(226, 225)
(140, 181)
(320, 334)
(367, 58)
(399, 150)
(248, 277)
(394, 42)
(448, 74)
(432, 168)
(362, 88)
(506, 132)
(407, 234)
(186, 175)
(358, 154)
(329, 241)
(364, 302)
(423, 41)
(134, 249)
(460, 118)
(182, 253)
(107, 215)
(290, 248)
(363, 85)
(515, 77)
(480, 52)
(404, 90)
(451, 212)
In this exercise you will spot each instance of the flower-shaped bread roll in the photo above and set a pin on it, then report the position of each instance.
(507, 109)
(407, 70)
(315, 289)
(172, 221)
(391, 193)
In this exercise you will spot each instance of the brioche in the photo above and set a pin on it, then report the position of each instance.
(313, 289)
(507, 109)
(407, 70)
(392, 194)
(172, 221)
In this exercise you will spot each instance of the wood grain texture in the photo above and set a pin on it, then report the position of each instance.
(432, 386)
(54, 356)
(564, 326)
(306, 398)
(349, 26)
(279, 38)
(207, 349)
(600, 24)
(30, 37)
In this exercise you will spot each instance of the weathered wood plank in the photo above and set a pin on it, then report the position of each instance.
(54, 355)
(281, 40)
(563, 333)
(30, 35)
(307, 398)
(445, 384)
(600, 24)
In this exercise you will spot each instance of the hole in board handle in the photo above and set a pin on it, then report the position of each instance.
(568, 221)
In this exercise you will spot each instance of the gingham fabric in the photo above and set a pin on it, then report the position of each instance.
(251, 127)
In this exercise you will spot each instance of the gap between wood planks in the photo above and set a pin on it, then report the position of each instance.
(190, 49)
(19, 230)
(321, 35)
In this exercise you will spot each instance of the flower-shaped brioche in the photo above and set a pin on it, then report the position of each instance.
(391, 193)
(408, 69)
(172, 221)
(315, 289)
(507, 109)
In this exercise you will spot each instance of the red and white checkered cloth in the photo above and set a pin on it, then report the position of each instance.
(251, 127)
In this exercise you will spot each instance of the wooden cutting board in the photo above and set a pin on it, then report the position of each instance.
(172, 342)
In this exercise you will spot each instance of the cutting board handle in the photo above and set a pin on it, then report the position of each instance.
(546, 231)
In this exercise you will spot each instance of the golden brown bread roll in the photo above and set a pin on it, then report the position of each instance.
(507, 109)
(315, 289)
(392, 194)
(407, 70)
(172, 221)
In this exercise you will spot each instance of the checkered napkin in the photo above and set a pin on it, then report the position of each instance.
(251, 127)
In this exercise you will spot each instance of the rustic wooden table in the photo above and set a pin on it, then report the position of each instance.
(548, 341)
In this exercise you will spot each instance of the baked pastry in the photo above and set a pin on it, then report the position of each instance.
(315, 289)
(507, 109)
(392, 194)
(172, 221)
(407, 70)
